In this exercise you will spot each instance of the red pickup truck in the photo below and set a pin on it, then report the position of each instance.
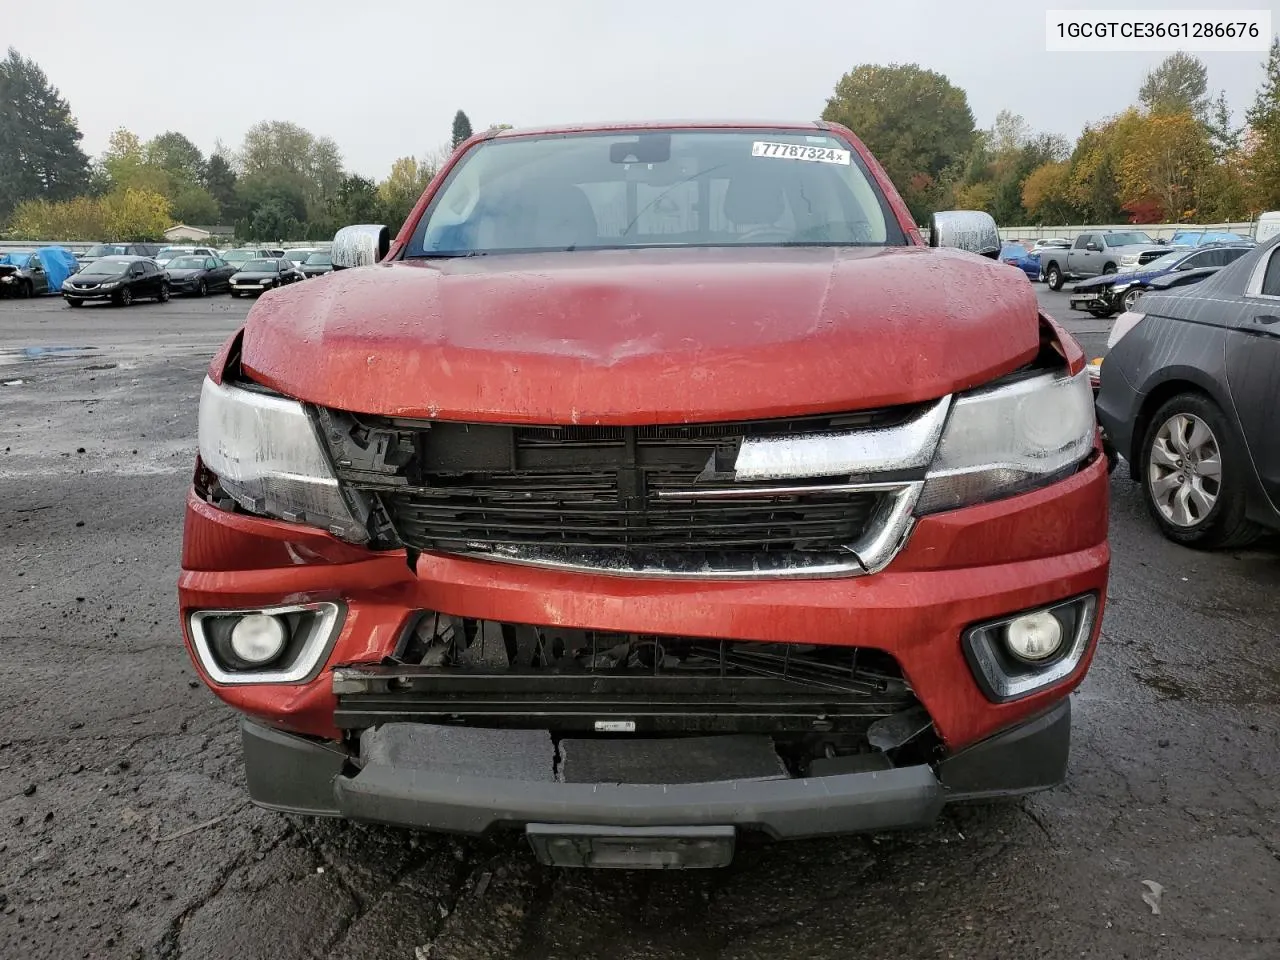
(655, 484)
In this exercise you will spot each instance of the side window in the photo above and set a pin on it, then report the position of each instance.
(1083, 240)
(136, 270)
(1196, 260)
(1271, 282)
(210, 263)
(1232, 254)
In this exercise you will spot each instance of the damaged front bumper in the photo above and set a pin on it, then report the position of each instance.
(594, 800)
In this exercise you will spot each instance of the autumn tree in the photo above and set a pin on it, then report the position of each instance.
(400, 191)
(1178, 85)
(1263, 162)
(1046, 193)
(40, 155)
(461, 128)
(915, 121)
(126, 214)
(1162, 165)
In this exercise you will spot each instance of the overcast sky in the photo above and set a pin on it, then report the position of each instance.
(384, 77)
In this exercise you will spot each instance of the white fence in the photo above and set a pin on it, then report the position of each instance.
(1157, 231)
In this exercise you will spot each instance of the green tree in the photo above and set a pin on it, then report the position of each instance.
(192, 203)
(1263, 162)
(220, 181)
(40, 155)
(275, 148)
(1178, 85)
(357, 201)
(915, 121)
(461, 128)
(400, 191)
(177, 155)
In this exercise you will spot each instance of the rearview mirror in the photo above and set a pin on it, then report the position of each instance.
(360, 245)
(971, 230)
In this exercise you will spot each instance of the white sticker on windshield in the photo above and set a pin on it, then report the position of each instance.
(797, 151)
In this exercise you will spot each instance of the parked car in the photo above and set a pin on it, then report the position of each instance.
(169, 253)
(1107, 295)
(33, 273)
(199, 275)
(242, 255)
(1268, 226)
(1016, 254)
(1188, 395)
(631, 538)
(298, 255)
(254, 276)
(1096, 253)
(121, 280)
(1200, 238)
(99, 250)
(1061, 243)
(277, 253)
(318, 264)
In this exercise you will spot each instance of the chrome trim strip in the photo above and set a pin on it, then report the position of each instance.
(888, 531)
(312, 654)
(716, 493)
(908, 446)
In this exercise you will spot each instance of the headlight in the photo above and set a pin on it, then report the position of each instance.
(1124, 323)
(1004, 440)
(109, 284)
(267, 457)
(1121, 287)
(1129, 259)
(267, 282)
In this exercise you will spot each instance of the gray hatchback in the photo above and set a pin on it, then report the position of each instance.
(1188, 395)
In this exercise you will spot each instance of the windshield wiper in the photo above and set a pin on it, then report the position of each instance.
(448, 254)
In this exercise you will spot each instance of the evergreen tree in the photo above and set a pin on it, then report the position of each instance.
(461, 127)
(40, 155)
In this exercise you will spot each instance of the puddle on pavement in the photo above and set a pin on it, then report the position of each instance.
(12, 355)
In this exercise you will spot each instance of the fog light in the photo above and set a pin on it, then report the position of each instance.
(258, 638)
(1034, 636)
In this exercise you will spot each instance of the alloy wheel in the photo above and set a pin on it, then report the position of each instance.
(1131, 299)
(1184, 470)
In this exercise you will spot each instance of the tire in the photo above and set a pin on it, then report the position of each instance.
(73, 303)
(202, 289)
(124, 298)
(1102, 313)
(1109, 269)
(24, 290)
(163, 296)
(1131, 298)
(1053, 277)
(1186, 435)
(236, 294)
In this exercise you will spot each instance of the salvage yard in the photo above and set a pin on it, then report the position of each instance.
(128, 833)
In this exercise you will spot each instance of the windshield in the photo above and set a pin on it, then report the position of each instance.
(171, 252)
(1127, 238)
(186, 263)
(705, 188)
(298, 256)
(320, 260)
(259, 266)
(238, 256)
(1013, 250)
(109, 267)
(104, 249)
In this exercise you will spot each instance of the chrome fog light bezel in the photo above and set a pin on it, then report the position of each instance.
(1002, 676)
(301, 667)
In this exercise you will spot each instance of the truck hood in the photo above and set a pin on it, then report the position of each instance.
(644, 336)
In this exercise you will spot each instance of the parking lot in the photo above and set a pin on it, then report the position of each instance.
(128, 833)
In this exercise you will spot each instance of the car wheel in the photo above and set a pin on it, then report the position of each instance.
(1131, 299)
(1101, 312)
(236, 294)
(1053, 277)
(24, 290)
(125, 297)
(73, 303)
(1109, 269)
(202, 289)
(1193, 475)
(164, 293)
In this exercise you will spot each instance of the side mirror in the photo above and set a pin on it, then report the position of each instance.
(1092, 247)
(360, 246)
(970, 230)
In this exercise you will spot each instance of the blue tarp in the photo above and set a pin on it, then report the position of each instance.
(59, 263)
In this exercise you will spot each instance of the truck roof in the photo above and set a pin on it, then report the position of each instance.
(612, 126)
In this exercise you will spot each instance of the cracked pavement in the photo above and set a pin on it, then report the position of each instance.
(128, 833)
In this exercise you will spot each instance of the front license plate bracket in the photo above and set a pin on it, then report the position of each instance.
(632, 848)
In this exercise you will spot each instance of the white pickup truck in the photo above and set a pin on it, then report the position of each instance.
(1093, 254)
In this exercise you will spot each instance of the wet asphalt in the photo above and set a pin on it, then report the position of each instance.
(124, 829)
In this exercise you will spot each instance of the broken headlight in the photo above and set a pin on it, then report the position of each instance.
(267, 457)
(1007, 439)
